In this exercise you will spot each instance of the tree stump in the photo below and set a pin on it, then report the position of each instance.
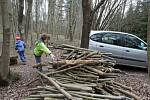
(13, 60)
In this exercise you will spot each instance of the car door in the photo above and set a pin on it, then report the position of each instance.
(134, 52)
(94, 39)
(111, 42)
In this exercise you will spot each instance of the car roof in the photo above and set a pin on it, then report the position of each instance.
(95, 31)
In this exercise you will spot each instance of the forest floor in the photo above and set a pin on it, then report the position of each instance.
(137, 79)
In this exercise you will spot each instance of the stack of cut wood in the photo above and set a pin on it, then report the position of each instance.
(82, 74)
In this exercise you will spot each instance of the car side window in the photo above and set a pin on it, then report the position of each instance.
(97, 37)
(133, 42)
(112, 38)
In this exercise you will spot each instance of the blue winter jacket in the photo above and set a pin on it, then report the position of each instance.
(20, 45)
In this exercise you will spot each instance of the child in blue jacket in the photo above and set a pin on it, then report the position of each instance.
(20, 47)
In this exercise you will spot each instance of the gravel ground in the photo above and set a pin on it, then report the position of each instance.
(136, 79)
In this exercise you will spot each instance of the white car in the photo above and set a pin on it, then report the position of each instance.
(127, 49)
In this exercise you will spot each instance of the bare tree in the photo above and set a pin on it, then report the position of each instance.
(70, 20)
(148, 42)
(20, 17)
(36, 17)
(28, 17)
(51, 14)
(4, 60)
(88, 14)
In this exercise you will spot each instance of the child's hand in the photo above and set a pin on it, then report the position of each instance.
(53, 57)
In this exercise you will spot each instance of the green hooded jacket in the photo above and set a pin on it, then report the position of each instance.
(41, 48)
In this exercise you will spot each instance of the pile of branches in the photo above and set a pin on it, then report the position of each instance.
(82, 74)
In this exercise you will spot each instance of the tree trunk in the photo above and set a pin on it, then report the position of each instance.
(4, 69)
(88, 14)
(20, 17)
(28, 17)
(87, 22)
(36, 18)
(71, 20)
(148, 42)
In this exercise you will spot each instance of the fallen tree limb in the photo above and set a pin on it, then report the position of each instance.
(75, 87)
(31, 82)
(82, 49)
(74, 51)
(102, 96)
(48, 95)
(123, 86)
(89, 55)
(83, 54)
(75, 62)
(127, 93)
(100, 73)
(66, 94)
(77, 66)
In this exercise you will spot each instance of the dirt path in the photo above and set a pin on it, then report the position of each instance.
(18, 90)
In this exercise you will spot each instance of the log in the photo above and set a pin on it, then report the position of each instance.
(75, 62)
(127, 93)
(100, 73)
(123, 86)
(101, 96)
(87, 98)
(83, 49)
(75, 87)
(89, 55)
(73, 47)
(101, 91)
(63, 66)
(32, 99)
(74, 51)
(88, 76)
(31, 82)
(82, 79)
(48, 95)
(66, 94)
(83, 54)
(64, 70)
(110, 90)
(88, 71)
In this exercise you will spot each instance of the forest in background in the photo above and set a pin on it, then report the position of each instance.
(63, 18)
(68, 20)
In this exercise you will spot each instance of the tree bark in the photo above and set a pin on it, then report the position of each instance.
(87, 22)
(148, 42)
(28, 17)
(88, 14)
(20, 17)
(4, 69)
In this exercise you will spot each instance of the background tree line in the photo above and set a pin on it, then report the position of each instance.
(64, 17)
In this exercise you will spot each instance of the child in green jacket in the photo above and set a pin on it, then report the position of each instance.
(41, 48)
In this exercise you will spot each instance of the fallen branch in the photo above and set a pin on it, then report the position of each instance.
(74, 51)
(56, 72)
(66, 94)
(101, 96)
